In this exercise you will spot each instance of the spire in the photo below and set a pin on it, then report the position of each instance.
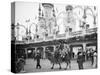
(54, 12)
(42, 14)
(94, 7)
(39, 10)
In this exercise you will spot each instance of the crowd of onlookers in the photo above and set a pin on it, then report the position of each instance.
(88, 55)
(92, 56)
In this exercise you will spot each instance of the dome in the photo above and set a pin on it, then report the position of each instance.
(69, 7)
(49, 5)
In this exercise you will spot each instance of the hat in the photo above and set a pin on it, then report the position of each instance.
(95, 54)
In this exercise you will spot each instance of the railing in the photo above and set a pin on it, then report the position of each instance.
(76, 33)
(60, 36)
(93, 30)
(80, 33)
(49, 38)
(39, 40)
(19, 42)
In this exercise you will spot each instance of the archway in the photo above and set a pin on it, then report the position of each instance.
(74, 49)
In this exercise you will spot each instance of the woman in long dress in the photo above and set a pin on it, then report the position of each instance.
(95, 60)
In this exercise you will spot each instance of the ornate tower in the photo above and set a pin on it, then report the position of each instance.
(70, 20)
(49, 16)
(46, 19)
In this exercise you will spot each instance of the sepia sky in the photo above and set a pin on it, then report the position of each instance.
(28, 11)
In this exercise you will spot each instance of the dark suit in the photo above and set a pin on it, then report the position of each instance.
(38, 57)
(80, 60)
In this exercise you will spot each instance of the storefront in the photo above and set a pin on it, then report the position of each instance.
(30, 52)
(74, 49)
(92, 45)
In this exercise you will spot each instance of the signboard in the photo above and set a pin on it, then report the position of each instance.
(78, 33)
(60, 36)
(49, 38)
(93, 30)
(39, 40)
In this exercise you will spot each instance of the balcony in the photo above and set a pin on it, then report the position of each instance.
(90, 34)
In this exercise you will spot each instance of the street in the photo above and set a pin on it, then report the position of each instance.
(30, 66)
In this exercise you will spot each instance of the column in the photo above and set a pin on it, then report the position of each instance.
(44, 52)
(54, 47)
(35, 49)
(84, 47)
(26, 53)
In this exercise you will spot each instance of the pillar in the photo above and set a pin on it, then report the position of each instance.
(44, 56)
(84, 47)
(54, 47)
(35, 49)
(26, 53)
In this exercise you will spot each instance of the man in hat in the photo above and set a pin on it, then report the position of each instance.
(95, 59)
(91, 56)
(80, 59)
(38, 57)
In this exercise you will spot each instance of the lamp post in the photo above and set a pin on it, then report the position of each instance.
(83, 20)
(18, 28)
(93, 14)
(36, 29)
(27, 29)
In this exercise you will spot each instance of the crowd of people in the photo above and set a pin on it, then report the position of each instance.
(88, 55)
(92, 56)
